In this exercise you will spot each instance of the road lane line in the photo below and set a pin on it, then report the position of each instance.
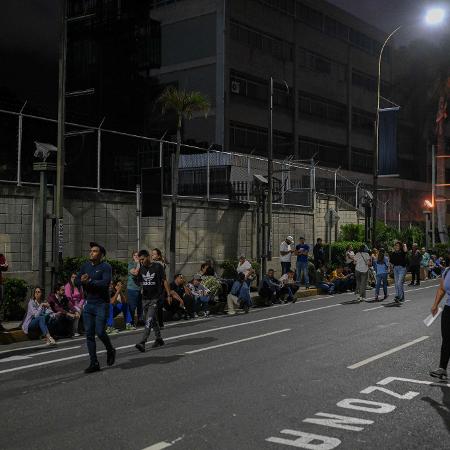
(28, 366)
(158, 446)
(29, 356)
(204, 349)
(386, 353)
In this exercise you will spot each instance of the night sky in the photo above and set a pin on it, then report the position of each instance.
(28, 40)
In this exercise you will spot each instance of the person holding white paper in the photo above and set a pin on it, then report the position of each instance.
(443, 289)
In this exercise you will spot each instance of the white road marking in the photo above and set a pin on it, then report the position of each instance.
(53, 361)
(158, 446)
(20, 357)
(15, 358)
(236, 342)
(386, 353)
(388, 380)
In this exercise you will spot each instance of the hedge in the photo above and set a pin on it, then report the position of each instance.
(14, 302)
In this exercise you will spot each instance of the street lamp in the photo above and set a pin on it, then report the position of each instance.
(433, 17)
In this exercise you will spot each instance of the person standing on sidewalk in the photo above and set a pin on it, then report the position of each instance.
(134, 295)
(399, 261)
(151, 277)
(381, 265)
(319, 254)
(414, 265)
(95, 277)
(3, 268)
(362, 264)
(302, 252)
(443, 289)
(286, 251)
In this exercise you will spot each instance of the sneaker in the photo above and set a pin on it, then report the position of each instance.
(76, 335)
(111, 330)
(385, 297)
(93, 368)
(140, 347)
(129, 327)
(158, 343)
(111, 357)
(246, 308)
(439, 373)
(51, 342)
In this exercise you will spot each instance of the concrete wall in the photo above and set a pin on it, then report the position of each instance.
(215, 230)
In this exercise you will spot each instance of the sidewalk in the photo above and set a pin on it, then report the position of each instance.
(14, 333)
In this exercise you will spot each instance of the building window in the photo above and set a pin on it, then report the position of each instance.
(321, 64)
(363, 120)
(322, 108)
(258, 89)
(251, 37)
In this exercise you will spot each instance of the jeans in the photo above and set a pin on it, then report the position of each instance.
(399, 277)
(39, 325)
(94, 317)
(115, 310)
(285, 267)
(445, 330)
(381, 278)
(361, 283)
(326, 287)
(302, 268)
(135, 303)
(415, 274)
(151, 321)
(202, 302)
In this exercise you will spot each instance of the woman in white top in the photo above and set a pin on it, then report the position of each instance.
(350, 258)
(362, 264)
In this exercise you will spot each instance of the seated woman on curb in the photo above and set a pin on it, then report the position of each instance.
(37, 317)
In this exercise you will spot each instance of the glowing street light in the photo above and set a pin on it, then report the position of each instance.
(435, 16)
(428, 204)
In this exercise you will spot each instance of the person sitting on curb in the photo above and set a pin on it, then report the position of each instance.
(68, 317)
(270, 288)
(200, 294)
(118, 304)
(75, 296)
(37, 317)
(239, 296)
(321, 281)
(245, 267)
(289, 286)
(181, 294)
(341, 281)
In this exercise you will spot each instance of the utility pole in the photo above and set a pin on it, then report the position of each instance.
(433, 194)
(270, 174)
(60, 161)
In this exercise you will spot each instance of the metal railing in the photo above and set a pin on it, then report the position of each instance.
(101, 159)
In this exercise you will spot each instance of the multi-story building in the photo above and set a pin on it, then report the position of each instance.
(324, 63)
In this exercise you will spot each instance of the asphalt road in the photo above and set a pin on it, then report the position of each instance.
(318, 374)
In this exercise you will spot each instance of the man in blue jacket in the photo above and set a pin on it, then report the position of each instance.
(95, 277)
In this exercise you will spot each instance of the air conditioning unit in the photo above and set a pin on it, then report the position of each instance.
(235, 87)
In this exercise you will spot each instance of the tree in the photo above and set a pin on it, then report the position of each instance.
(185, 105)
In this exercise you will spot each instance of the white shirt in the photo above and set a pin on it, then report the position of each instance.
(244, 267)
(348, 256)
(285, 247)
(362, 262)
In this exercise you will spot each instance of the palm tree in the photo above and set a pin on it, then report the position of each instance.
(185, 105)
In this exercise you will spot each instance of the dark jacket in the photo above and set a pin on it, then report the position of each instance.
(97, 288)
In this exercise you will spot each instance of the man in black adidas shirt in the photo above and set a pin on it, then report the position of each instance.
(150, 276)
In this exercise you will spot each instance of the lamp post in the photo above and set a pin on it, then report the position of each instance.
(433, 17)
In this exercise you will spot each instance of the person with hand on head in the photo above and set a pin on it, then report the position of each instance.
(302, 252)
(151, 277)
(442, 291)
(286, 251)
(95, 278)
(38, 317)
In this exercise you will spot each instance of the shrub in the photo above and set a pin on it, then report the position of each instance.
(13, 306)
(229, 268)
(351, 232)
(338, 250)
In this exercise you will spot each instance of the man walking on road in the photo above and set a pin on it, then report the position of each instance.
(95, 277)
(150, 276)
(286, 251)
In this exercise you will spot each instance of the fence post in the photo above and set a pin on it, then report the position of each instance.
(19, 146)
(99, 153)
(207, 176)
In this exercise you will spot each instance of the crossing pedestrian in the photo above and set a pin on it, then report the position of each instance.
(443, 289)
(134, 291)
(362, 263)
(95, 277)
(398, 260)
(415, 259)
(151, 277)
(157, 256)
